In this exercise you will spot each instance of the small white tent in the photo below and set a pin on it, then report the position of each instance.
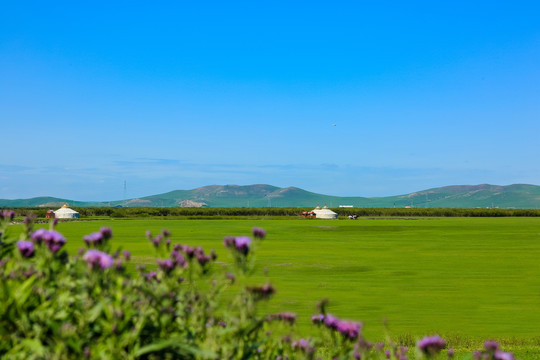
(324, 213)
(66, 213)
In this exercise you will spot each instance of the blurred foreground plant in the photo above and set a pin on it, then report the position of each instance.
(53, 306)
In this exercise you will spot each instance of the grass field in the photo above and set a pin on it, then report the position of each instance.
(465, 278)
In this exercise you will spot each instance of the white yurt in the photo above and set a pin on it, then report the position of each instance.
(66, 213)
(324, 213)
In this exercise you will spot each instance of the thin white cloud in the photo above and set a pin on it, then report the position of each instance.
(152, 176)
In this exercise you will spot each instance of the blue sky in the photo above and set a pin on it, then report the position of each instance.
(173, 95)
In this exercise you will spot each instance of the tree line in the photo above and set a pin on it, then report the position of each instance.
(141, 212)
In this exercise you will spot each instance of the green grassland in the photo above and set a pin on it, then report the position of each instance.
(465, 278)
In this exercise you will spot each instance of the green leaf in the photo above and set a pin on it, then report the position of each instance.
(174, 344)
(29, 346)
(25, 290)
(94, 313)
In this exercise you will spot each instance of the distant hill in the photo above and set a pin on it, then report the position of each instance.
(43, 201)
(459, 196)
(470, 196)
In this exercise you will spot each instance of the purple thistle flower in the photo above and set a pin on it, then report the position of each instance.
(501, 355)
(431, 345)
(491, 345)
(152, 275)
(331, 322)
(26, 248)
(228, 241)
(387, 353)
(222, 323)
(450, 353)
(203, 259)
(53, 239)
(178, 259)
(37, 236)
(262, 292)
(106, 232)
(287, 317)
(268, 289)
(303, 344)
(259, 233)
(349, 329)
(286, 339)
(241, 243)
(157, 240)
(403, 350)
(166, 265)
(105, 261)
(127, 255)
(379, 346)
(29, 221)
(96, 258)
(93, 239)
(54, 222)
(92, 257)
(317, 319)
(7, 215)
(231, 277)
(189, 251)
(166, 232)
(118, 264)
(364, 345)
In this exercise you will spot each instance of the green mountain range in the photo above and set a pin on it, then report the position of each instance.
(459, 196)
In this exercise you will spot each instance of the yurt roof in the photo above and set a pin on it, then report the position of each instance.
(65, 210)
(323, 211)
